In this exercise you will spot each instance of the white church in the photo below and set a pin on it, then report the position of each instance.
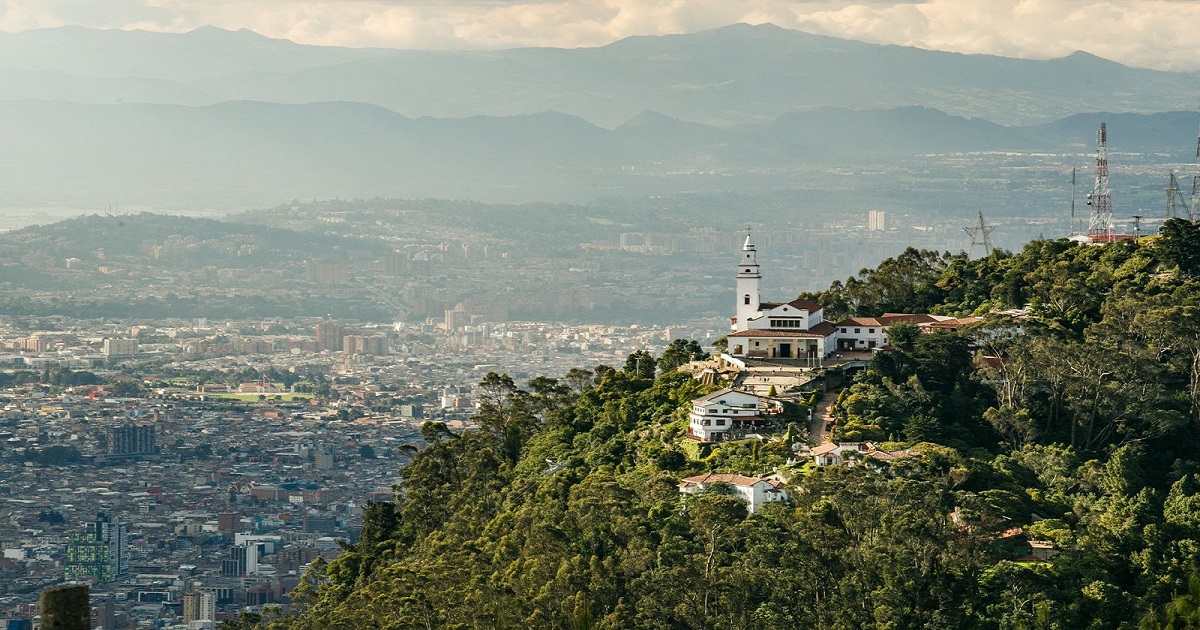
(769, 330)
(797, 330)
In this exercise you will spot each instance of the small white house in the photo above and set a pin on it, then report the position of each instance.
(713, 416)
(754, 491)
(830, 454)
(861, 333)
(868, 333)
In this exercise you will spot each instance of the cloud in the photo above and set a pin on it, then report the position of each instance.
(1149, 33)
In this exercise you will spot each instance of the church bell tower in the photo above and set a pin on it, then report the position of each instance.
(748, 281)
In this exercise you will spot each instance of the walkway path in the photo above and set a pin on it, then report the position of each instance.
(822, 417)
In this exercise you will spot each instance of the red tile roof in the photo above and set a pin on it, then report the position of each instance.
(807, 305)
(887, 319)
(824, 329)
(730, 478)
(804, 305)
(860, 321)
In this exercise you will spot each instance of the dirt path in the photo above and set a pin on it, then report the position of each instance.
(817, 433)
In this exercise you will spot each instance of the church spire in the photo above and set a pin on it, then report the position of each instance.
(748, 281)
(749, 255)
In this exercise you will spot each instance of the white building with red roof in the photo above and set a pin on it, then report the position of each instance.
(797, 330)
(775, 330)
(868, 333)
(714, 417)
(755, 491)
(836, 454)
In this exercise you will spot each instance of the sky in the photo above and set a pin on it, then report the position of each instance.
(1147, 33)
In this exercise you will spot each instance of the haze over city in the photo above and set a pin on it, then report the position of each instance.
(599, 314)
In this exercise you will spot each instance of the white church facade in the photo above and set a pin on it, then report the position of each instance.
(772, 330)
(797, 330)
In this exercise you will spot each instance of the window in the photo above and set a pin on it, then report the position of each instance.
(857, 330)
(746, 299)
(845, 330)
(720, 422)
(707, 422)
(871, 330)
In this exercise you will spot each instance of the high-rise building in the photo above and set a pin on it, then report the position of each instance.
(131, 440)
(323, 457)
(235, 565)
(243, 559)
(32, 344)
(104, 615)
(228, 523)
(456, 317)
(329, 336)
(120, 347)
(99, 552)
(199, 606)
(320, 524)
(361, 344)
(395, 263)
(877, 221)
(326, 273)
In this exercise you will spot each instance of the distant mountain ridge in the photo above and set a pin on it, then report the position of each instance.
(205, 52)
(730, 75)
(254, 153)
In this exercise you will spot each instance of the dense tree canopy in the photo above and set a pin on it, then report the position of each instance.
(1069, 415)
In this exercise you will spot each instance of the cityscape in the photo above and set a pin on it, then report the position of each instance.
(189, 470)
(599, 315)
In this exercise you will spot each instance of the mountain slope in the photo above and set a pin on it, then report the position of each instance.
(205, 52)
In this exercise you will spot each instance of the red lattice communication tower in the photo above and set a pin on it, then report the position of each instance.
(1100, 227)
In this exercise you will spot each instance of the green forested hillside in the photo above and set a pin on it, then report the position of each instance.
(1079, 428)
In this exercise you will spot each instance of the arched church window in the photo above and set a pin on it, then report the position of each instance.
(746, 299)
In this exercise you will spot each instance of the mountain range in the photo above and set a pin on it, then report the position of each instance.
(246, 153)
(221, 119)
(729, 75)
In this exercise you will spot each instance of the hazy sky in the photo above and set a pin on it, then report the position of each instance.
(1150, 33)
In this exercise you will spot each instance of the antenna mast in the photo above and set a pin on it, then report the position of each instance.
(1100, 225)
(980, 235)
(1072, 231)
(1173, 196)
